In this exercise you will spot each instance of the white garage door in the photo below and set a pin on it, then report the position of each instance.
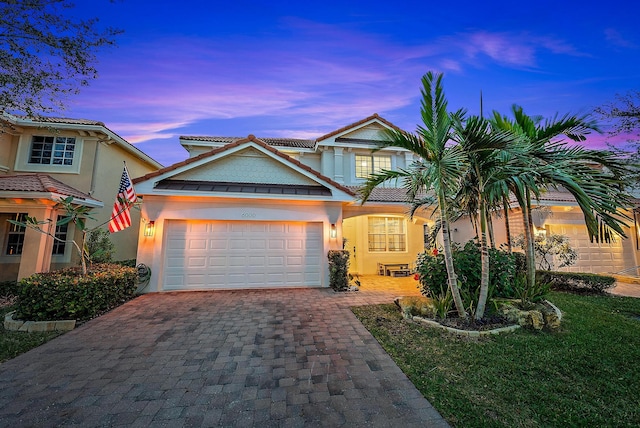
(597, 257)
(242, 254)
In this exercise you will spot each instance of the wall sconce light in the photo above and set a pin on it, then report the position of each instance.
(334, 231)
(149, 228)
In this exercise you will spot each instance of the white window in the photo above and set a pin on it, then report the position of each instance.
(52, 150)
(371, 164)
(387, 234)
(59, 244)
(15, 236)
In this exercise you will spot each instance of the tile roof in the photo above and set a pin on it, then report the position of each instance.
(39, 183)
(260, 188)
(360, 122)
(280, 142)
(61, 120)
(250, 138)
(384, 194)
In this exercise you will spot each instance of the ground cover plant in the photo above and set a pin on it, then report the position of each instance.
(586, 374)
(14, 343)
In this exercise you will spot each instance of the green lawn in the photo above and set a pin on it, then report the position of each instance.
(13, 343)
(587, 374)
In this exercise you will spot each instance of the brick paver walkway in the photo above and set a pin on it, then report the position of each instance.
(294, 357)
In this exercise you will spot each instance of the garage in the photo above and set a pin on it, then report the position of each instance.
(596, 257)
(242, 254)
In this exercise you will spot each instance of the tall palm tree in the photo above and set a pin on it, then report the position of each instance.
(549, 162)
(438, 169)
(488, 152)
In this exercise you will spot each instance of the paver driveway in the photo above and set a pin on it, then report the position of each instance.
(294, 357)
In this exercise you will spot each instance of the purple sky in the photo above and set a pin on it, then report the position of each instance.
(300, 69)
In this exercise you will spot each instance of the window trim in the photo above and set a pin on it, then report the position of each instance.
(23, 155)
(20, 233)
(403, 234)
(374, 159)
(56, 155)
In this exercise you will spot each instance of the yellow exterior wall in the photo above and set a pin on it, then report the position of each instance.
(365, 262)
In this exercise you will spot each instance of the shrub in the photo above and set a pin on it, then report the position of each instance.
(339, 269)
(503, 268)
(100, 247)
(573, 281)
(8, 288)
(549, 248)
(67, 294)
(127, 263)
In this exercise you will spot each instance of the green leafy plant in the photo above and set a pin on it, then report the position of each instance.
(528, 295)
(442, 304)
(550, 247)
(339, 269)
(70, 294)
(503, 267)
(99, 247)
(576, 281)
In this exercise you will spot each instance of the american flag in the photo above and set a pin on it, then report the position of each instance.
(120, 216)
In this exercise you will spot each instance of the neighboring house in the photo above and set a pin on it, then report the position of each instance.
(45, 159)
(263, 212)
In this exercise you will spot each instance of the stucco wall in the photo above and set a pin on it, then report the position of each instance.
(161, 209)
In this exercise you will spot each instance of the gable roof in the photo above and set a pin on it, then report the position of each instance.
(249, 139)
(26, 185)
(79, 125)
(279, 142)
(374, 116)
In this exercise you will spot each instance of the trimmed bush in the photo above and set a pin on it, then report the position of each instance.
(575, 281)
(503, 269)
(339, 269)
(8, 288)
(67, 294)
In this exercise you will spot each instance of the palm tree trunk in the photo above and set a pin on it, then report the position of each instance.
(507, 227)
(492, 238)
(529, 242)
(452, 278)
(484, 254)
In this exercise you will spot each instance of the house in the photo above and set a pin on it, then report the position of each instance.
(263, 212)
(45, 159)
(251, 212)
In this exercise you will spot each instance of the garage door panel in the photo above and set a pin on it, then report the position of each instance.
(596, 257)
(258, 244)
(216, 254)
(277, 244)
(218, 244)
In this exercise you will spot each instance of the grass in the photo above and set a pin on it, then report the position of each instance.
(587, 374)
(14, 343)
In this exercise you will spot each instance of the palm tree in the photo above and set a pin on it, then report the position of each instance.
(549, 162)
(438, 169)
(488, 152)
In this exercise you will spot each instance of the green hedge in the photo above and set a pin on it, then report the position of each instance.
(67, 294)
(504, 267)
(572, 281)
(339, 269)
(8, 288)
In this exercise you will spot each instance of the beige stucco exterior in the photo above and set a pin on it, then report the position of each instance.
(96, 169)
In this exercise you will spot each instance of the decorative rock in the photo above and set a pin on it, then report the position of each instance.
(37, 326)
(535, 320)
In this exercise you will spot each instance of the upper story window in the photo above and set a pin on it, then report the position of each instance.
(52, 150)
(371, 164)
(387, 234)
(15, 236)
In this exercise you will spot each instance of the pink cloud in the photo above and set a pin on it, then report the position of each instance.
(614, 37)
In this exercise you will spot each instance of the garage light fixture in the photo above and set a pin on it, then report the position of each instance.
(334, 232)
(149, 228)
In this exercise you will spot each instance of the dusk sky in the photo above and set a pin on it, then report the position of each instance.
(303, 69)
